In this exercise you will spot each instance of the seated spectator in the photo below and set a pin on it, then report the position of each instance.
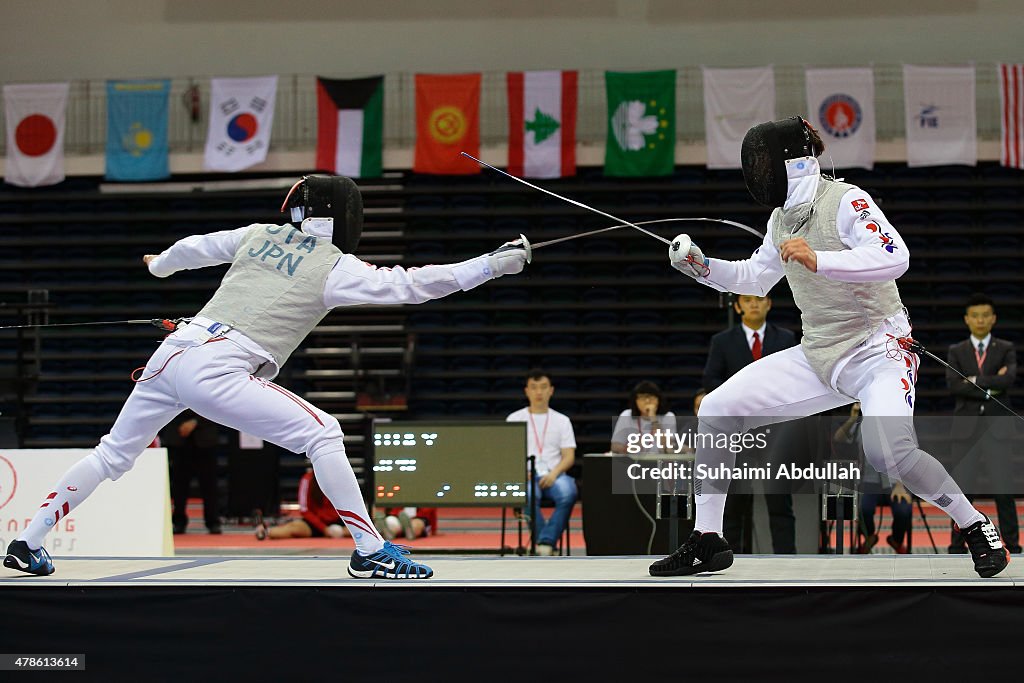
(408, 522)
(551, 440)
(318, 516)
(875, 491)
(647, 413)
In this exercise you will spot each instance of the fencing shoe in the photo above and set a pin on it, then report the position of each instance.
(390, 562)
(22, 558)
(707, 552)
(987, 549)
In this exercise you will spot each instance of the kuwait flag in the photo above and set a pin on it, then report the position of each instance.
(542, 123)
(35, 133)
(350, 126)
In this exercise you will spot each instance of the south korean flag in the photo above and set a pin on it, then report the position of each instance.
(241, 116)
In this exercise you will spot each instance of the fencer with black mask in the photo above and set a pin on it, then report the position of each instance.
(841, 257)
(283, 280)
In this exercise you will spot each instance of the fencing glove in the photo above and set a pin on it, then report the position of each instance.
(511, 257)
(687, 258)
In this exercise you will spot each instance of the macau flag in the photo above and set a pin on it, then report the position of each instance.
(641, 123)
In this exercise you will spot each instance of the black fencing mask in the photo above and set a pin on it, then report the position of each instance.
(766, 147)
(334, 197)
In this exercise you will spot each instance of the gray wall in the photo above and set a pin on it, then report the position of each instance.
(78, 39)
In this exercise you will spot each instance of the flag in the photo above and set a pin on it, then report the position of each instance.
(137, 130)
(542, 123)
(735, 100)
(841, 106)
(241, 116)
(35, 133)
(939, 106)
(350, 126)
(1011, 99)
(641, 123)
(447, 122)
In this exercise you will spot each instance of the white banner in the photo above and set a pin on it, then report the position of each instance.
(940, 110)
(735, 100)
(35, 133)
(127, 518)
(841, 106)
(241, 116)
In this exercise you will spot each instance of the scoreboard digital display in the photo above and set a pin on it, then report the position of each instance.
(449, 463)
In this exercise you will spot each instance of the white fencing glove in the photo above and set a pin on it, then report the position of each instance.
(511, 257)
(687, 258)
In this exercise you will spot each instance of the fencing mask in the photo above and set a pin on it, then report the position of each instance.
(333, 197)
(766, 147)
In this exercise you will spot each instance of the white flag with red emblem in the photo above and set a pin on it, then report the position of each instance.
(1011, 97)
(241, 116)
(35, 133)
(841, 106)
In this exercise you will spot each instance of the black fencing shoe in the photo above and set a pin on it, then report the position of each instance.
(24, 559)
(990, 555)
(707, 552)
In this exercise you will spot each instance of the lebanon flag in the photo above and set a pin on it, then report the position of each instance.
(350, 126)
(1011, 97)
(35, 133)
(447, 122)
(542, 123)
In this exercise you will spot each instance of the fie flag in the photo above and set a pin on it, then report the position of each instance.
(35, 133)
(1011, 97)
(735, 100)
(941, 120)
(542, 123)
(241, 116)
(350, 126)
(641, 123)
(447, 122)
(137, 130)
(841, 106)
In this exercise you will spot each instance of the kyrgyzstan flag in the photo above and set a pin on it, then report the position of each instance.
(35, 133)
(447, 122)
(542, 123)
(350, 126)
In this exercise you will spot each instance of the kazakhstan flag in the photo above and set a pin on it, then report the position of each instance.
(137, 130)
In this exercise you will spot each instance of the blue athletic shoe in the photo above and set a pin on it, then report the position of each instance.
(390, 562)
(20, 557)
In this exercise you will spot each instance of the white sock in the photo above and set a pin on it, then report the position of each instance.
(76, 485)
(710, 494)
(710, 511)
(338, 482)
(929, 480)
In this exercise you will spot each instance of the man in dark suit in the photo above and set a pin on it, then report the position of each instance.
(731, 351)
(992, 364)
(192, 443)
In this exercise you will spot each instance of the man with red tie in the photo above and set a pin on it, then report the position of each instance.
(991, 363)
(731, 351)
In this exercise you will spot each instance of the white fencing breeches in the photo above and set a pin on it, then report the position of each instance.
(215, 380)
(783, 386)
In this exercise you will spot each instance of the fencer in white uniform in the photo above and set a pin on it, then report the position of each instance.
(841, 257)
(282, 281)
